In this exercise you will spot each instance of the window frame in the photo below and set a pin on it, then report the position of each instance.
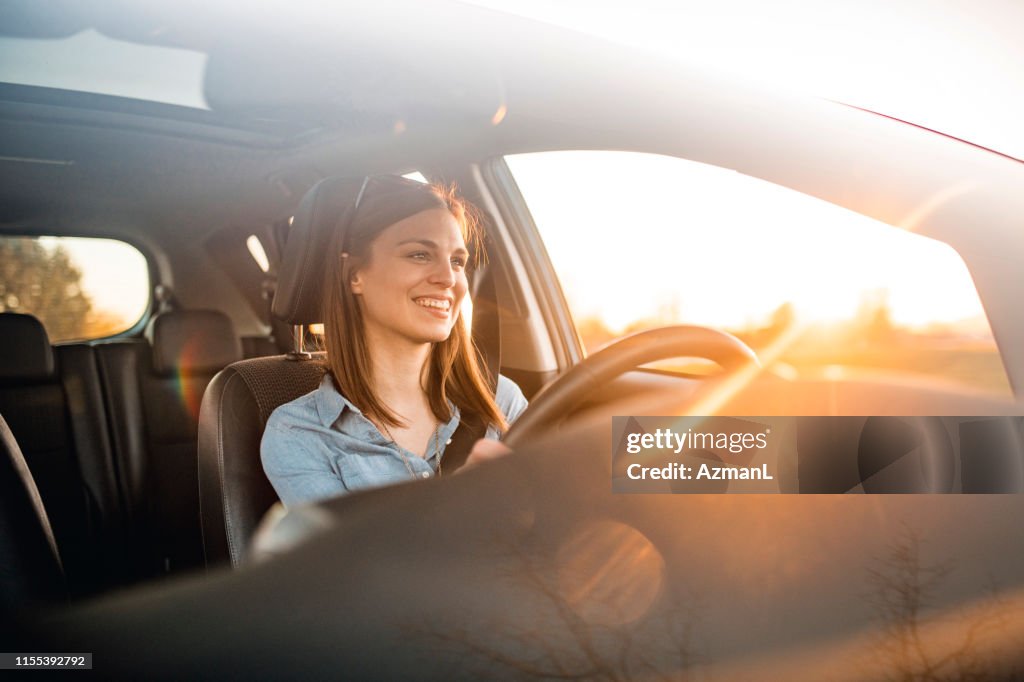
(527, 242)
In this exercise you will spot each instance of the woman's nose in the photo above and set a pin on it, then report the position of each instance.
(444, 274)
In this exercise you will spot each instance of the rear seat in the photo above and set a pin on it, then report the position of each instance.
(109, 430)
(154, 391)
(52, 401)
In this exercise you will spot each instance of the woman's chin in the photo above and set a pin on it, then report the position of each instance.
(436, 335)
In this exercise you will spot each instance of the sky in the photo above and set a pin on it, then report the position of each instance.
(710, 246)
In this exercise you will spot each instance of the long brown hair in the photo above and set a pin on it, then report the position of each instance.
(454, 371)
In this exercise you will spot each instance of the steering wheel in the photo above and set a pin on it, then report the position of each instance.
(563, 394)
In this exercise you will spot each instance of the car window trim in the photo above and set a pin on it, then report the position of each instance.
(558, 320)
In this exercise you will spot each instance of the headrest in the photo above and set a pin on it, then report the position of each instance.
(192, 341)
(26, 351)
(333, 206)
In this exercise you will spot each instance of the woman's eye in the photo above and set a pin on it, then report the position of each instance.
(458, 262)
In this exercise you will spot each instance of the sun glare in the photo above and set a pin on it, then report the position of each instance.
(674, 240)
(641, 241)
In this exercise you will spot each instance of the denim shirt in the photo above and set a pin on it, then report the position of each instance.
(321, 445)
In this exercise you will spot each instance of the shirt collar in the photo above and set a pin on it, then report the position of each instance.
(331, 404)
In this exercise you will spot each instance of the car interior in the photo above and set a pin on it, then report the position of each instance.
(132, 485)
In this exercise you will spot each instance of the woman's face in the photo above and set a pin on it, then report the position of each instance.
(415, 279)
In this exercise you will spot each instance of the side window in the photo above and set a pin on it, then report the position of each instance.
(641, 241)
(79, 288)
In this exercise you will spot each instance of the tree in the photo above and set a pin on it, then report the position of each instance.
(904, 590)
(43, 282)
(874, 316)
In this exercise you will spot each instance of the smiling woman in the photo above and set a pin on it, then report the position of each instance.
(402, 371)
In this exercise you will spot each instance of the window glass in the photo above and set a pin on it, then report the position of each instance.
(641, 241)
(417, 176)
(257, 252)
(79, 288)
(90, 61)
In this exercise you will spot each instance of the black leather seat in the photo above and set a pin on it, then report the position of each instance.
(234, 493)
(154, 390)
(53, 404)
(30, 570)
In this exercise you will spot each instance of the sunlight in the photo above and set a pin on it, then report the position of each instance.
(710, 246)
(641, 241)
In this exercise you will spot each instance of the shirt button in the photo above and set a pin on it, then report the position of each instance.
(425, 474)
(448, 442)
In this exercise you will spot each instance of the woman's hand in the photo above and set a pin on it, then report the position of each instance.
(485, 450)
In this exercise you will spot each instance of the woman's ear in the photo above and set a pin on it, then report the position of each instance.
(356, 283)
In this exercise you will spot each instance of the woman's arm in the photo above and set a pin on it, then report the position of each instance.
(510, 399)
(512, 402)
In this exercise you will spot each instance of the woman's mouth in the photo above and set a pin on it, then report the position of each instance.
(440, 307)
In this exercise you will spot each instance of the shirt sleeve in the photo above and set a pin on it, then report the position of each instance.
(294, 465)
(510, 400)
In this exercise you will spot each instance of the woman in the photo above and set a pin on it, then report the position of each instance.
(400, 360)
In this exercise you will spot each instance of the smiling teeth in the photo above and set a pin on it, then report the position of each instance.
(434, 303)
